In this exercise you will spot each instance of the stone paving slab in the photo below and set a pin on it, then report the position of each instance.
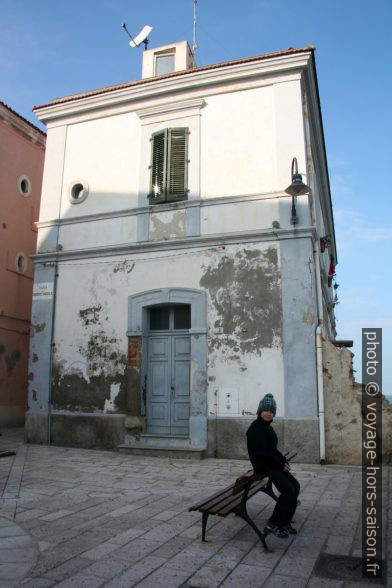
(73, 517)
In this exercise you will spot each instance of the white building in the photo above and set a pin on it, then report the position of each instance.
(173, 285)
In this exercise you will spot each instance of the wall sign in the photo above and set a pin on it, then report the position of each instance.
(43, 291)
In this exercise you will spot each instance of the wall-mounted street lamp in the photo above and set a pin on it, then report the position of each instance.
(296, 188)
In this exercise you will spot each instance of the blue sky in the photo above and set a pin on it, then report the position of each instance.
(50, 49)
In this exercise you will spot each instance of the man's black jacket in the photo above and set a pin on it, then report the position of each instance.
(262, 447)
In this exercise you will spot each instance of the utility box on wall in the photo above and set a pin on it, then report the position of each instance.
(228, 402)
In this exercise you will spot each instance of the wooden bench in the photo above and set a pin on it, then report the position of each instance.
(233, 498)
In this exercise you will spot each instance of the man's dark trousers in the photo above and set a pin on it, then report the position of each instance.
(286, 504)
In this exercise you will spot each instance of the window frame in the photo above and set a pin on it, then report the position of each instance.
(158, 57)
(166, 194)
(24, 186)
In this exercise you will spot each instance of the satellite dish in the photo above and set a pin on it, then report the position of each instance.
(140, 37)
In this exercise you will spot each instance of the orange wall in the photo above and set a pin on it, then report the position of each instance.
(20, 155)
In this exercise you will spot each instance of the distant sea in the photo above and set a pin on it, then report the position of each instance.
(388, 397)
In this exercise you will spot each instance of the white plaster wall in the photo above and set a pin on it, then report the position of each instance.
(289, 131)
(98, 233)
(241, 143)
(53, 173)
(106, 153)
(237, 140)
(239, 216)
(245, 384)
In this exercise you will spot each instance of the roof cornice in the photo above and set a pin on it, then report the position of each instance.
(238, 70)
(22, 125)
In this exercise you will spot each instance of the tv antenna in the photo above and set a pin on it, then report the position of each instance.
(140, 38)
(194, 46)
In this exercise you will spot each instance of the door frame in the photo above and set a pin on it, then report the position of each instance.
(138, 326)
(168, 337)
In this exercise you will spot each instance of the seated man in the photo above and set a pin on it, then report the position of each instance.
(266, 459)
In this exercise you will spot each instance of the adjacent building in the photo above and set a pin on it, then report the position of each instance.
(176, 280)
(22, 151)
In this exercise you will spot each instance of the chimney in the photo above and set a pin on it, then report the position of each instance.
(167, 59)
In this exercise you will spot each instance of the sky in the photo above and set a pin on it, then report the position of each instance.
(50, 49)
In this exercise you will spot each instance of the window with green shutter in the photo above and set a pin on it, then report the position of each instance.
(169, 165)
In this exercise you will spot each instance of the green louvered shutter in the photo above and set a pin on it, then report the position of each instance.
(158, 167)
(177, 165)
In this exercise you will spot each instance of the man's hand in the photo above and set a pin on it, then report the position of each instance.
(286, 467)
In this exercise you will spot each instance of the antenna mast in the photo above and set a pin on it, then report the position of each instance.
(194, 46)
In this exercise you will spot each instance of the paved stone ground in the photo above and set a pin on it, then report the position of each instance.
(74, 517)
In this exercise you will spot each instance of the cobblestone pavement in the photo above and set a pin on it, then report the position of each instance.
(74, 517)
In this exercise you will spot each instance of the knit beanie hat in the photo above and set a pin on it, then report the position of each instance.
(267, 403)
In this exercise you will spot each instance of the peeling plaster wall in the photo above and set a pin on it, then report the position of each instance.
(244, 336)
(166, 225)
(90, 354)
(245, 328)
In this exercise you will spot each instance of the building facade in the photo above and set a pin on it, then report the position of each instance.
(22, 151)
(175, 283)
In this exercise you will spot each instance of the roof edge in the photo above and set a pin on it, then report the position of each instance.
(108, 89)
(22, 118)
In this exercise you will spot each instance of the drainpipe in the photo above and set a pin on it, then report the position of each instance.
(319, 353)
(55, 276)
(319, 333)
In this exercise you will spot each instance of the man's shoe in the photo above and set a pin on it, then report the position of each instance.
(290, 529)
(276, 530)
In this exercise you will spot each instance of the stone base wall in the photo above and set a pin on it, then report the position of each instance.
(87, 431)
(227, 438)
(36, 428)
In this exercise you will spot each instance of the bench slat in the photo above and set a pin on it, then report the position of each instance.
(212, 501)
(226, 507)
(216, 495)
(229, 508)
(230, 497)
(226, 502)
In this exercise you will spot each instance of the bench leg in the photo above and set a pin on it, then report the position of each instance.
(204, 526)
(242, 512)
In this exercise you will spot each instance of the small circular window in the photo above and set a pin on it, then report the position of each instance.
(21, 262)
(24, 186)
(78, 191)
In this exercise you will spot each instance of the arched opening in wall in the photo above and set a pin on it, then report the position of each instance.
(167, 363)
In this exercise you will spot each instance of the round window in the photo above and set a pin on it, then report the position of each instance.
(78, 191)
(21, 262)
(24, 186)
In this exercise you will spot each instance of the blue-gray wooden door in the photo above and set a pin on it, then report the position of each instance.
(168, 381)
